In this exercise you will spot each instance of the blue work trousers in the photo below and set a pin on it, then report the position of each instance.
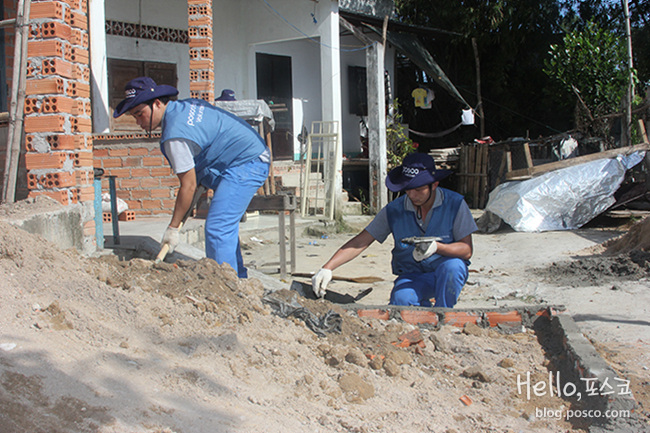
(444, 284)
(233, 192)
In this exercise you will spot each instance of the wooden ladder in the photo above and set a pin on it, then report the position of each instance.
(16, 113)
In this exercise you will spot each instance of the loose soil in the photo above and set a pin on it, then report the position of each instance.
(113, 345)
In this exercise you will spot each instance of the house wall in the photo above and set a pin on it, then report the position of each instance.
(161, 13)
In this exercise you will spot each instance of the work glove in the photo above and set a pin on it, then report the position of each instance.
(424, 250)
(320, 281)
(171, 238)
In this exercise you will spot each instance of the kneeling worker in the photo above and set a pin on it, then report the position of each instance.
(425, 270)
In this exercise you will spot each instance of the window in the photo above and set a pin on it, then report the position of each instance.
(121, 72)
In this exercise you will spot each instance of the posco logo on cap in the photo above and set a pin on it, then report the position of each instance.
(130, 93)
(410, 171)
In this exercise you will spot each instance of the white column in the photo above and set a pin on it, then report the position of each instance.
(98, 68)
(331, 84)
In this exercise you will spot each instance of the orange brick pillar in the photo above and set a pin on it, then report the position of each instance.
(201, 51)
(58, 128)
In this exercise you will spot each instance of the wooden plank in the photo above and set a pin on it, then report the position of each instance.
(272, 202)
(529, 159)
(484, 175)
(478, 162)
(551, 166)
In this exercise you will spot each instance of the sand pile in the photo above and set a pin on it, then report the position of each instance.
(103, 345)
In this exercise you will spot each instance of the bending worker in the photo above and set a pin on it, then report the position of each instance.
(204, 145)
(425, 270)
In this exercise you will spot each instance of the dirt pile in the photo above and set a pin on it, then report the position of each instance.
(636, 238)
(103, 345)
(624, 258)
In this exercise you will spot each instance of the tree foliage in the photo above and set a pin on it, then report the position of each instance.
(514, 39)
(594, 63)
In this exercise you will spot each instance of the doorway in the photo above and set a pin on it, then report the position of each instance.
(274, 86)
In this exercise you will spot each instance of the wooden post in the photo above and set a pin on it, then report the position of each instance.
(17, 105)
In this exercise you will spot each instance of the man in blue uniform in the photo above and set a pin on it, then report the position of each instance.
(431, 270)
(204, 145)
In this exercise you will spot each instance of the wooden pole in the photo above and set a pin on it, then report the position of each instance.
(479, 102)
(17, 106)
(626, 135)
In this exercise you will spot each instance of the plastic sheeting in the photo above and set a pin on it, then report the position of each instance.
(564, 199)
(249, 109)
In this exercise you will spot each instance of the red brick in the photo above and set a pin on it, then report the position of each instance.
(151, 204)
(53, 29)
(140, 172)
(48, 48)
(58, 67)
(53, 160)
(129, 183)
(374, 313)
(111, 163)
(159, 193)
(82, 73)
(415, 317)
(60, 196)
(67, 142)
(196, 64)
(60, 180)
(81, 124)
(61, 104)
(120, 173)
(86, 193)
(153, 161)
(171, 182)
(84, 177)
(44, 124)
(150, 183)
(76, 54)
(83, 159)
(133, 204)
(50, 9)
(509, 318)
(162, 171)
(76, 19)
(44, 86)
(78, 90)
(127, 215)
(100, 153)
(459, 318)
(138, 151)
(118, 152)
(79, 37)
(32, 106)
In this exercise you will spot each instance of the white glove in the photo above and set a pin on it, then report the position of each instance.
(171, 238)
(424, 250)
(320, 281)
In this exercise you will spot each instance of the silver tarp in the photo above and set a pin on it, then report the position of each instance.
(564, 199)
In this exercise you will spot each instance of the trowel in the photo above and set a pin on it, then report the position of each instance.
(197, 194)
(305, 290)
(362, 280)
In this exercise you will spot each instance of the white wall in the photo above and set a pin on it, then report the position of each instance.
(161, 13)
(120, 47)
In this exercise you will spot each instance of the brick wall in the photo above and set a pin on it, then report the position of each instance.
(201, 52)
(143, 178)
